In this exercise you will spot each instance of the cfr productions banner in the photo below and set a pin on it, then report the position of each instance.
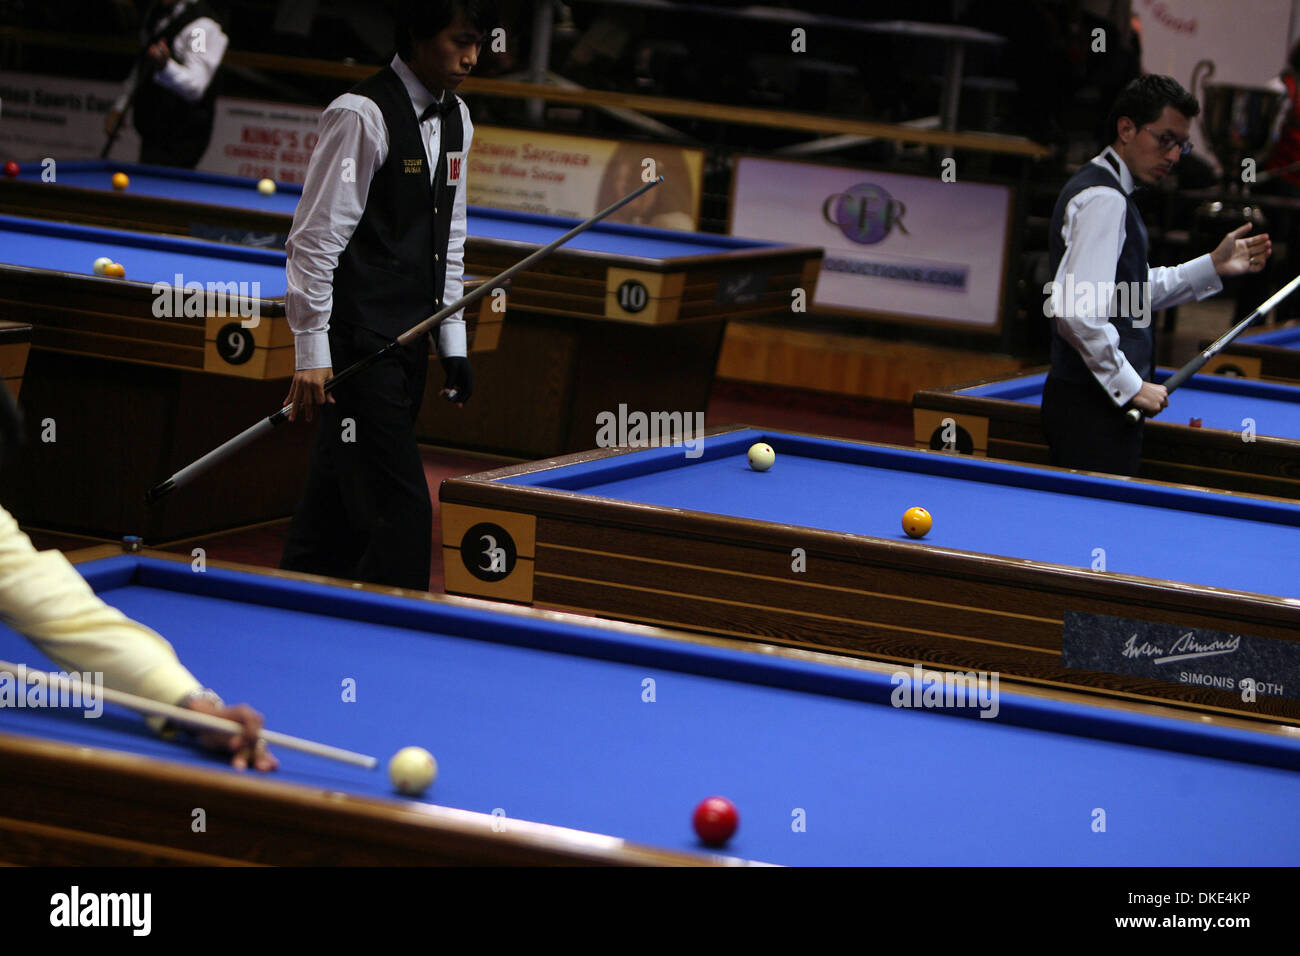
(577, 176)
(903, 248)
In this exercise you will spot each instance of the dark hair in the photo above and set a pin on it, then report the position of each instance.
(420, 19)
(1145, 99)
(1293, 60)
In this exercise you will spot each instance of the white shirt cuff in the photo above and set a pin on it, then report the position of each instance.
(451, 338)
(1123, 385)
(311, 349)
(1204, 280)
(169, 77)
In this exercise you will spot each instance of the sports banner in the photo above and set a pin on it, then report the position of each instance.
(910, 249)
(577, 176)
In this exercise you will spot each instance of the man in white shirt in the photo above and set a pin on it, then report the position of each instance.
(377, 245)
(1104, 292)
(173, 82)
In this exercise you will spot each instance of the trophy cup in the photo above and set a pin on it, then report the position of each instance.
(1236, 123)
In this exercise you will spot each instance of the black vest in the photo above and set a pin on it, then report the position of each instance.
(393, 271)
(1137, 344)
(158, 111)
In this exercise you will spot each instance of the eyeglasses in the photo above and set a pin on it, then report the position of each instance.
(1167, 141)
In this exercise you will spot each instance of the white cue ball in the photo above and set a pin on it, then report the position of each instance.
(100, 264)
(266, 187)
(412, 770)
(761, 456)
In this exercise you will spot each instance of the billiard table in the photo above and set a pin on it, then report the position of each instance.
(1248, 440)
(620, 315)
(184, 202)
(138, 377)
(15, 343)
(561, 739)
(617, 272)
(1273, 353)
(1046, 575)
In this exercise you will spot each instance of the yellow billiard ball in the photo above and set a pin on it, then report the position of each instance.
(115, 270)
(266, 187)
(916, 522)
(121, 181)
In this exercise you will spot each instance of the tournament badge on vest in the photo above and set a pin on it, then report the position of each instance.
(455, 165)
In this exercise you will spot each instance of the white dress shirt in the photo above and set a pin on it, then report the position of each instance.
(353, 132)
(1094, 236)
(188, 72)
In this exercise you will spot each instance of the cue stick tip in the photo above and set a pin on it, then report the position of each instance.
(159, 491)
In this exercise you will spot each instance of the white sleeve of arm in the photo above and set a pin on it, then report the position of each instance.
(353, 144)
(1094, 235)
(45, 599)
(451, 333)
(194, 62)
(1174, 285)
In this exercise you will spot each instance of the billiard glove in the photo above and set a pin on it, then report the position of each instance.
(460, 380)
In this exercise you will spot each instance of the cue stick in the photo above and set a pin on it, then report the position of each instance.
(1195, 365)
(182, 715)
(138, 69)
(254, 432)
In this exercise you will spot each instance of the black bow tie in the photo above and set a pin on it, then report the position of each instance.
(442, 109)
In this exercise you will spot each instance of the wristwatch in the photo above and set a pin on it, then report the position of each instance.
(203, 693)
(171, 730)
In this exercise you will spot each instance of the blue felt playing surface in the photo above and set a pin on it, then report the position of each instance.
(977, 505)
(568, 739)
(147, 258)
(1224, 403)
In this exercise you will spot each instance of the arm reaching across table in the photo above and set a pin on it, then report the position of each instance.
(43, 598)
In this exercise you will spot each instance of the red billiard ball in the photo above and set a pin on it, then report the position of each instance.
(11, 169)
(716, 820)
(1195, 423)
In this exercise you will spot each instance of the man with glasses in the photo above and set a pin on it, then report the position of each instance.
(1103, 291)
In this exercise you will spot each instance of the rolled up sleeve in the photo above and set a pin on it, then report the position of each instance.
(195, 60)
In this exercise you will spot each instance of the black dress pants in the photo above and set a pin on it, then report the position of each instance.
(365, 512)
(178, 152)
(1086, 430)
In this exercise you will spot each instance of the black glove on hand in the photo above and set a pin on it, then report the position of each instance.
(460, 380)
